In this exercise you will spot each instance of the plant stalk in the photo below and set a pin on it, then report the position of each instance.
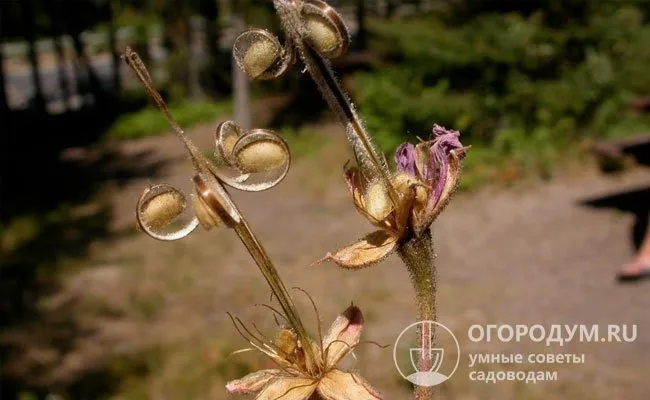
(418, 255)
(272, 277)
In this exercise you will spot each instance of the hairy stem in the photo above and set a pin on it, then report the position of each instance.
(419, 257)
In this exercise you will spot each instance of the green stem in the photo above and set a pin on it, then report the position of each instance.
(419, 257)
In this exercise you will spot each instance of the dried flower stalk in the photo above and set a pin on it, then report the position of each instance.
(401, 204)
(305, 368)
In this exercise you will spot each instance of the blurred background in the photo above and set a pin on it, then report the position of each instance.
(551, 94)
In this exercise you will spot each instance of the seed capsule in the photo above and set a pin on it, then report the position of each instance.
(286, 341)
(261, 156)
(403, 182)
(377, 202)
(229, 143)
(321, 34)
(207, 218)
(160, 210)
(259, 57)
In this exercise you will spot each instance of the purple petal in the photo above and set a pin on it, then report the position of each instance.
(405, 158)
(444, 141)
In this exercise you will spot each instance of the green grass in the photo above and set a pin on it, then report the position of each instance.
(150, 121)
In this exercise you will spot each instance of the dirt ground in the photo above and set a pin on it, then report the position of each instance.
(535, 253)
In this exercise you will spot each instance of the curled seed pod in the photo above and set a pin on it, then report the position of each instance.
(226, 136)
(403, 182)
(259, 54)
(260, 157)
(324, 29)
(376, 201)
(158, 207)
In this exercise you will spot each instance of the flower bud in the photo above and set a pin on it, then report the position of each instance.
(259, 57)
(377, 203)
(321, 34)
(403, 182)
(160, 210)
(261, 156)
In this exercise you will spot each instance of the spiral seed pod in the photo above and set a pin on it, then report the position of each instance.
(159, 207)
(258, 53)
(258, 160)
(324, 29)
(403, 182)
(261, 156)
(377, 202)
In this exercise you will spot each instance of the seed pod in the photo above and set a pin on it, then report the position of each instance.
(159, 213)
(377, 202)
(259, 57)
(229, 143)
(161, 209)
(321, 34)
(261, 156)
(324, 29)
(403, 182)
(286, 342)
(207, 218)
(257, 53)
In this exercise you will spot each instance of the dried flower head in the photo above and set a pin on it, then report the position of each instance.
(426, 176)
(298, 378)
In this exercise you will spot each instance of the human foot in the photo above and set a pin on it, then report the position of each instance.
(635, 271)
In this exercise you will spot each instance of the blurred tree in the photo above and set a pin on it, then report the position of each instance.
(29, 21)
(362, 32)
(4, 103)
(65, 86)
(112, 44)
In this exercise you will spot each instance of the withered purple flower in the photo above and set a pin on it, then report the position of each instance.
(426, 176)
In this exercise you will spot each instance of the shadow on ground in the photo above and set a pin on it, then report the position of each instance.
(635, 201)
(52, 211)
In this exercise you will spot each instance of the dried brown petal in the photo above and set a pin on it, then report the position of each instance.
(339, 385)
(288, 388)
(343, 335)
(253, 382)
(369, 250)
